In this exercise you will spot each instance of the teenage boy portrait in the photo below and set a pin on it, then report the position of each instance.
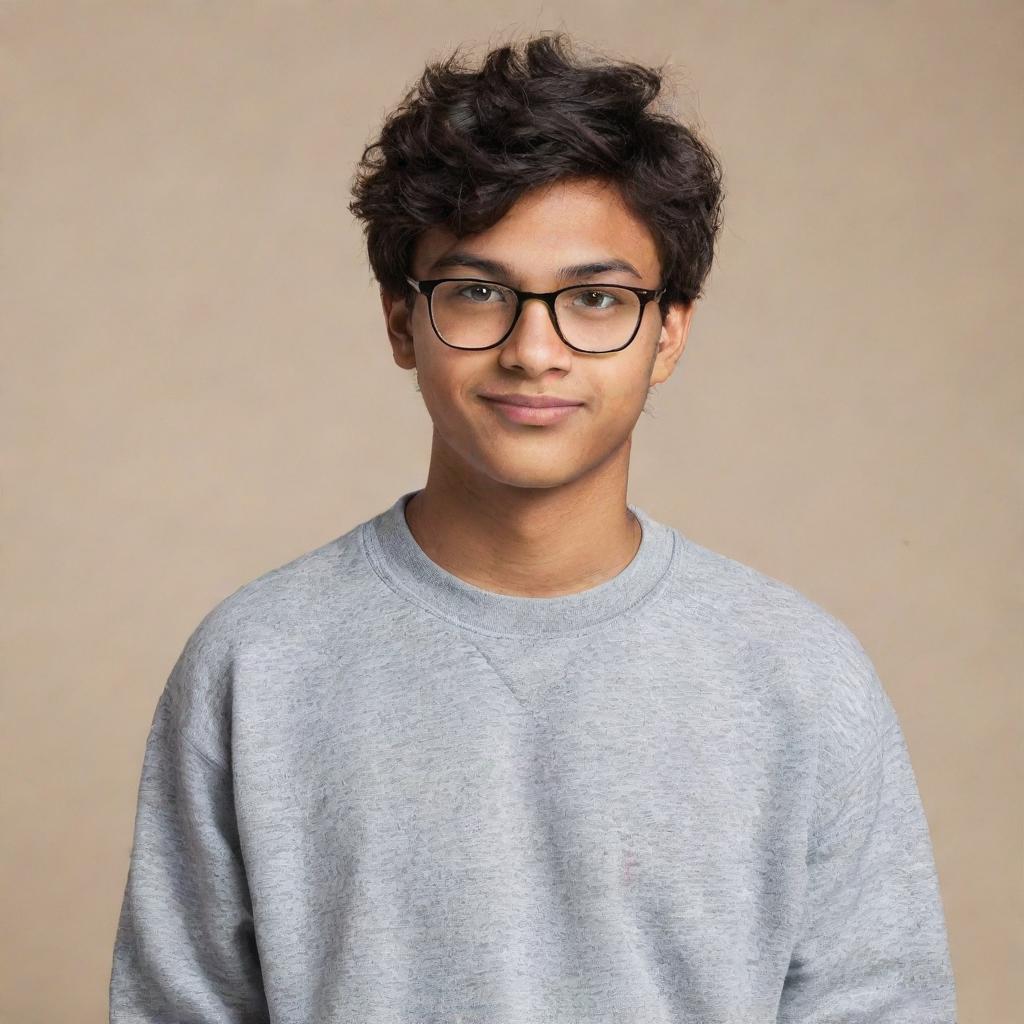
(513, 750)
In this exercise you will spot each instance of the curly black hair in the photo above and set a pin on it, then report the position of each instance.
(465, 143)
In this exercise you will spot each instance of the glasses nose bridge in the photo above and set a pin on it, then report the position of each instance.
(548, 298)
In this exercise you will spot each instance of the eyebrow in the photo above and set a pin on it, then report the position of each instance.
(496, 268)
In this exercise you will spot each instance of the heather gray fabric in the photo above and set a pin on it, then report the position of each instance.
(374, 793)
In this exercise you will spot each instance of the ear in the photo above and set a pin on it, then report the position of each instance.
(398, 321)
(674, 330)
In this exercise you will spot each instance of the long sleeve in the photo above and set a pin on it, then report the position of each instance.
(873, 945)
(185, 948)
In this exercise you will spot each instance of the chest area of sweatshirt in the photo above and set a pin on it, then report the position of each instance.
(628, 762)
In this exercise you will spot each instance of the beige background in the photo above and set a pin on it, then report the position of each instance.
(197, 386)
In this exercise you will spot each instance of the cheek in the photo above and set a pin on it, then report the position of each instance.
(440, 396)
(445, 383)
(621, 394)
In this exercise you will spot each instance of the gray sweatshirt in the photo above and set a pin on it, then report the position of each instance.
(373, 793)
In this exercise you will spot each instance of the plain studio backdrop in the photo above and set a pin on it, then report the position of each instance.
(196, 385)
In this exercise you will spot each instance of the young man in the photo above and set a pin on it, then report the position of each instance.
(513, 750)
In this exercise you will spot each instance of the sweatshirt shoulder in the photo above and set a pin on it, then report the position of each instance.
(823, 657)
(290, 594)
(285, 605)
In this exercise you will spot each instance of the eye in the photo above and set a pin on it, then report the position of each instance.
(592, 293)
(476, 290)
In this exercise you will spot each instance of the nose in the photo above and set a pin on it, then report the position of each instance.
(536, 320)
(535, 344)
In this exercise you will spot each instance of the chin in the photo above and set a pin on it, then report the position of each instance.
(529, 474)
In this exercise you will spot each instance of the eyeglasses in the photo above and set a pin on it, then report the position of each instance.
(468, 313)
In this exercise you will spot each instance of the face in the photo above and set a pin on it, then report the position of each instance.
(567, 223)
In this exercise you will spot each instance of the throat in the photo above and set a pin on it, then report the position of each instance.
(492, 553)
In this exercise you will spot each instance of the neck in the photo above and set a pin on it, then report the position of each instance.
(526, 541)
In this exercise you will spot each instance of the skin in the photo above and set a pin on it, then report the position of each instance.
(525, 509)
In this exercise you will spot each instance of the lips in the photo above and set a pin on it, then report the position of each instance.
(531, 415)
(531, 401)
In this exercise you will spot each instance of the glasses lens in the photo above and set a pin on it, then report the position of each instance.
(478, 314)
(598, 319)
(472, 314)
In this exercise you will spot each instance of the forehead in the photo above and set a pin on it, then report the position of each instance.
(573, 221)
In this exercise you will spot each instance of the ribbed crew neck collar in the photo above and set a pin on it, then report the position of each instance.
(403, 565)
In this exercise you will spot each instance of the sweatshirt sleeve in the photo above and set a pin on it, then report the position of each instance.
(873, 945)
(185, 948)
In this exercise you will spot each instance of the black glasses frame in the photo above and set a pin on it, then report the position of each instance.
(645, 295)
